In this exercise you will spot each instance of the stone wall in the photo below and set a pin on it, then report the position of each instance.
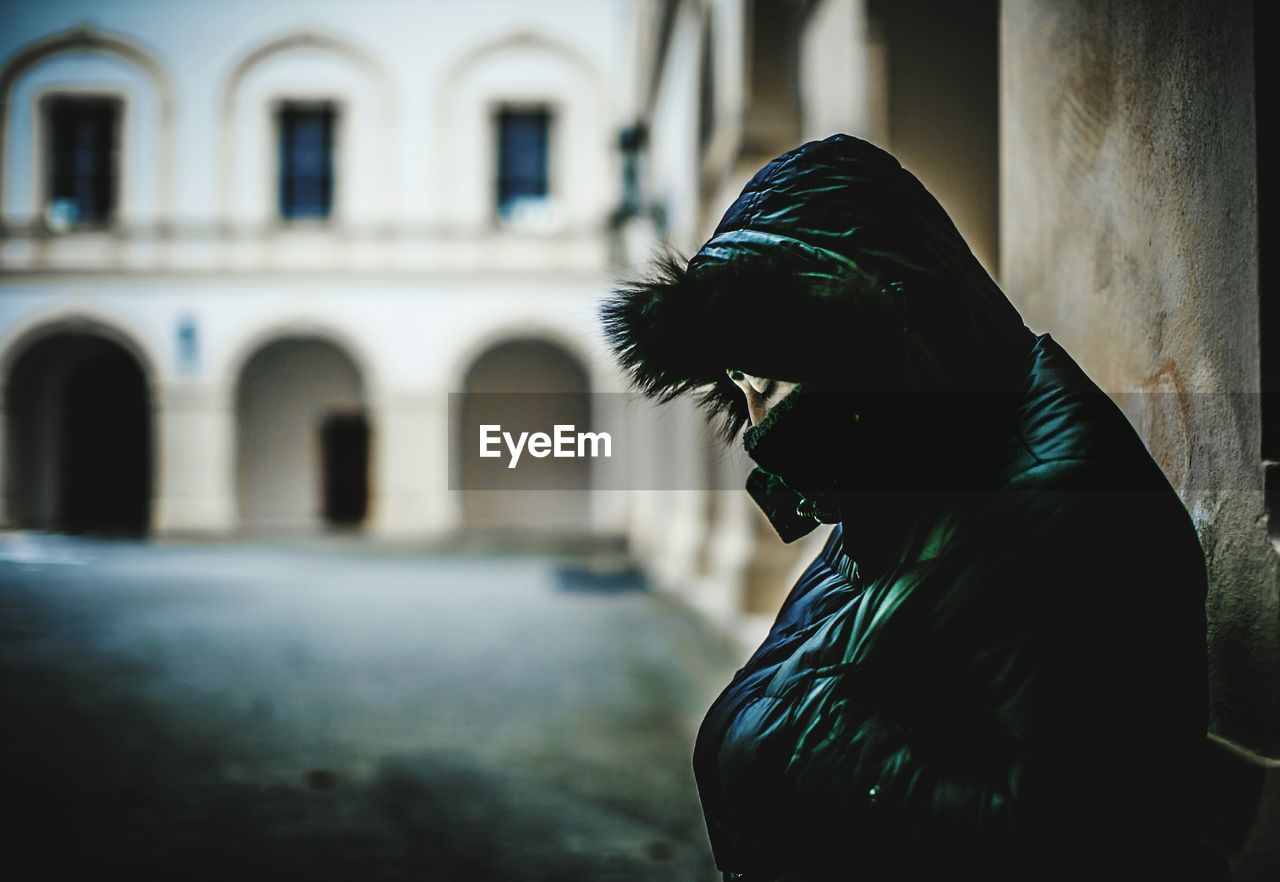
(1129, 231)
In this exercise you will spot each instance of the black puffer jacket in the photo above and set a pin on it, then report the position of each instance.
(996, 668)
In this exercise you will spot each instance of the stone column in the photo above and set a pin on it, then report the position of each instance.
(409, 495)
(193, 490)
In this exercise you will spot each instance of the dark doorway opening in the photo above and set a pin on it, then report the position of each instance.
(105, 451)
(79, 432)
(344, 444)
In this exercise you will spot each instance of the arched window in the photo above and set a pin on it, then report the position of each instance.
(306, 134)
(85, 134)
(536, 106)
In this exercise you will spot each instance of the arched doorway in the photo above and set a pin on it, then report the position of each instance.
(524, 385)
(78, 432)
(302, 438)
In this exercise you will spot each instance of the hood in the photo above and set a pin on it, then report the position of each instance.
(881, 292)
(834, 268)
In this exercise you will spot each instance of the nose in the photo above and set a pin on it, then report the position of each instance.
(761, 393)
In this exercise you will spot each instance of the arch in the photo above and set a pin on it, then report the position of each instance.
(306, 39)
(572, 87)
(79, 430)
(471, 57)
(287, 327)
(74, 321)
(524, 383)
(537, 382)
(89, 38)
(480, 344)
(302, 436)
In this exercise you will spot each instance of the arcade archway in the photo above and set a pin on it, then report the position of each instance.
(79, 437)
(302, 438)
(524, 384)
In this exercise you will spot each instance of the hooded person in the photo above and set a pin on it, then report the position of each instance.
(996, 667)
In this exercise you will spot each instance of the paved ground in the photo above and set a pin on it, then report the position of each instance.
(282, 713)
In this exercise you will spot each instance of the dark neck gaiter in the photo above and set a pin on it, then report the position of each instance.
(800, 450)
(870, 460)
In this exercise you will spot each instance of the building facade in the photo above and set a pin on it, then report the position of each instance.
(248, 252)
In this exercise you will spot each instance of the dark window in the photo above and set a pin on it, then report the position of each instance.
(522, 158)
(306, 161)
(83, 144)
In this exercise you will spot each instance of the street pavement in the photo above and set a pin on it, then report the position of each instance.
(332, 712)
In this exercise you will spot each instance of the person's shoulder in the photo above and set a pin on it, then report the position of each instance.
(1110, 517)
(1070, 434)
(1102, 497)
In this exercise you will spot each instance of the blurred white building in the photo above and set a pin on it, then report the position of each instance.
(248, 250)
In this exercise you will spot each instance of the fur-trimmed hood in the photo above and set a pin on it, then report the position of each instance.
(881, 292)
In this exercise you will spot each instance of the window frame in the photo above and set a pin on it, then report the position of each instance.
(554, 114)
(42, 160)
(276, 107)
